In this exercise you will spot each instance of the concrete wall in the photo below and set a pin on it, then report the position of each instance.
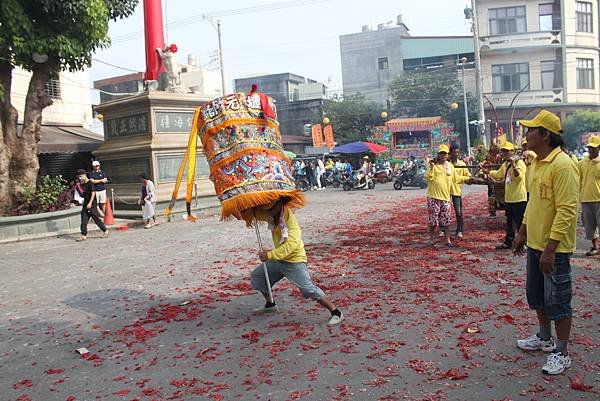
(360, 71)
(19, 228)
(74, 105)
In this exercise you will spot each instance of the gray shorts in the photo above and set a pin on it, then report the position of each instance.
(297, 273)
(552, 292)
(590, 211)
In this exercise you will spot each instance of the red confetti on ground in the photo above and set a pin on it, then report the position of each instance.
(578, 384)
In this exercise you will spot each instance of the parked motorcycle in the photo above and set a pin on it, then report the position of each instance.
(410, 178)
(383, 174)
(354, 183)
(301, 182)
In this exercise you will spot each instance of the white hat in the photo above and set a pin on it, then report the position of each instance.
(95, 163)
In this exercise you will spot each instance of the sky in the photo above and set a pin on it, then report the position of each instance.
(275, 36)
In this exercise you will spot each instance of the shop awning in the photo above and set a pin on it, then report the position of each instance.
(67, 139)
(414, 124)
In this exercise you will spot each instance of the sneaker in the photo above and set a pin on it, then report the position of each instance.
(535, 343)
(459, 234)
(335, 320)
(592, 252)
(557, 363)
(442, 234)
(265, 309)
(81, 239)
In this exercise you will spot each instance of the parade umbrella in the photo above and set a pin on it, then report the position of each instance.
(360, 147)
(290, 155)
(242, 142)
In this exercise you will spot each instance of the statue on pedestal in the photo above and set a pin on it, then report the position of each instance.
(175, 83)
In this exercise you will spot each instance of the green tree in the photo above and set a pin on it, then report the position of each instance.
(431, 93)
(579, 123)
(352, 118)
(43, 37)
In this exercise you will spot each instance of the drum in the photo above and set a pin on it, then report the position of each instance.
(242, 142)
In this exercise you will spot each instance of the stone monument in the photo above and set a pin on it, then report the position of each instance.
(148, 132)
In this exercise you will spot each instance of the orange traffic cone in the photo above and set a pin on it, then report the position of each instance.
(109, 219)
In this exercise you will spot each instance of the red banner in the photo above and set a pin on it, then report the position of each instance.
(328, 131)
(317, 135)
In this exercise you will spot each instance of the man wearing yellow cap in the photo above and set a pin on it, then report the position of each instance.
(549, 228)
(589, 172)
(512, 172)
(440, 176)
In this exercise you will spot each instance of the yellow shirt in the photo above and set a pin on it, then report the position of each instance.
(528, 157)
(515, 189)
(553, 202)
(440, 178)
(460, 176)
(292, 250)
(589, 173)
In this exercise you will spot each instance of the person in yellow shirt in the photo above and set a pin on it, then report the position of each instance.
(549, 228)
(461, 174)
(288, 260)
(440, 176)
(589, 172)
(512, 171)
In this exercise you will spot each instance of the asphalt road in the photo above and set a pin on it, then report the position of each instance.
(422, 322)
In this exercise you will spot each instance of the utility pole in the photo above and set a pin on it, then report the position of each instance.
(479, 84)
(221, 62)
(466, 106)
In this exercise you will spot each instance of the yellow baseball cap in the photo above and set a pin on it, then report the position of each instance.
(524, 141)
(507, 146)
(443, 148)
(593, 141)
(544, 119)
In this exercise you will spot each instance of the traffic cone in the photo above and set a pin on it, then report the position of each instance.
(109, 219)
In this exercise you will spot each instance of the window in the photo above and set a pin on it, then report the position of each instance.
(507, 20)
(548, 74)
(382, 63)
(584, 17)
(585, 73)
(53, 88)
(510, 77)
(546, 16)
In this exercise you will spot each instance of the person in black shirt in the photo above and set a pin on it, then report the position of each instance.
(89, 207)
(98, 178)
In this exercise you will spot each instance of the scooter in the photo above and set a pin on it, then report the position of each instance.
(354, 183)
(406, 178)
(383, 174)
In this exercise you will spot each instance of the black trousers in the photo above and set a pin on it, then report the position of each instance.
(85, 218)
(460, 223)
(514, 219)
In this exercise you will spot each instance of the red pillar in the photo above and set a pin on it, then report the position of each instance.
(153, 31)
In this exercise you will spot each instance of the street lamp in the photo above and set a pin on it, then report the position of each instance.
(384, 115)
(463, 61)
(326, 120)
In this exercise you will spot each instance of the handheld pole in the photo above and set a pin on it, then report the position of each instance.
(264, 265)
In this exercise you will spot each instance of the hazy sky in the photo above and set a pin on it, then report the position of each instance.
(301, 39)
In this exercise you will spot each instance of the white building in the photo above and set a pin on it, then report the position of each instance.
(547, 50)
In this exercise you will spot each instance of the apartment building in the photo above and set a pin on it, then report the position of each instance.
(538, 54)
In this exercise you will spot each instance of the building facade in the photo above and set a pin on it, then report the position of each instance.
(372, 59)
(538, 54)
(299, 103)
(66, 141)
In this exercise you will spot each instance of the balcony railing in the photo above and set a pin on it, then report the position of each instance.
(518, 40)
(528, 98)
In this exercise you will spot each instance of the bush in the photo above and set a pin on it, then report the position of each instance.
(53, 194)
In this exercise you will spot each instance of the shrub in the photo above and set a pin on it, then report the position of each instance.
(52, 194)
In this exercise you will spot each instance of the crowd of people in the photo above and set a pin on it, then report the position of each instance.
(543, 187)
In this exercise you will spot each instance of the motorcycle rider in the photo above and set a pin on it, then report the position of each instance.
(363, 171)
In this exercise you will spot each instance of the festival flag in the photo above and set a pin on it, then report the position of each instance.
(317, 135)
(328, 131)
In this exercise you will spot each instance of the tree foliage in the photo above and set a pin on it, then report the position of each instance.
(431, 93)
(352, 117)
(579, 123)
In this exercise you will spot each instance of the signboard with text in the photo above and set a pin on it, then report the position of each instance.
(173, 121)
(136, 124)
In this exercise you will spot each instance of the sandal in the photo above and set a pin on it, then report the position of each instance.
(592, 252)
(503, 246)
(81, 239)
